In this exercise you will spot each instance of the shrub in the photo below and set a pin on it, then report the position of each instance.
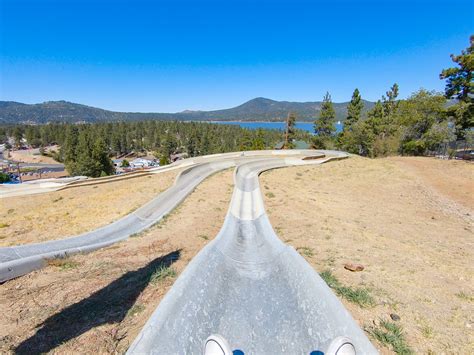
(164, 160)
(414, 147)
(4, 178)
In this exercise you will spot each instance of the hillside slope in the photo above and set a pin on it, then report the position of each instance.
(259, 109)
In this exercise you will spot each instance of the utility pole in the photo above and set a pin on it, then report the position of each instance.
(19, 173)
(286, 131)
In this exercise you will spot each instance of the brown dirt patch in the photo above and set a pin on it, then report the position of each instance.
(55, 215)
(399, 218)
(451, 178)
(50, 175)
(97, 303)
(412, 236)
(32, 156)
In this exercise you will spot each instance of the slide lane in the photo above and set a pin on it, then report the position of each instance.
(251, 288)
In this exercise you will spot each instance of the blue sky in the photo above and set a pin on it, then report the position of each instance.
(168, 56)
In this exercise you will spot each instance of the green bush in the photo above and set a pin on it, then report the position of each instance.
(164, 160)
(4, 178)
(414, 147)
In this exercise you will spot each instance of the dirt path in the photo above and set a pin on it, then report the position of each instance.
(384, 214)
(452, 179)
(97, 303)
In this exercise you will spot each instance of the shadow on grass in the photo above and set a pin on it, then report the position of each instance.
(108, 305)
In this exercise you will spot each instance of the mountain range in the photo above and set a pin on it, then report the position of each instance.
(258, 109)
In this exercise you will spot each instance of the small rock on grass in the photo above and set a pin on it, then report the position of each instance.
(395, 317)
(353, 267)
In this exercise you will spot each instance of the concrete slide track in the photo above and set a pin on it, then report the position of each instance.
(22, 259)
(250, 287)
(245, 285)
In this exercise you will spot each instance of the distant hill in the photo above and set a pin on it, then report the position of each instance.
(259, 109)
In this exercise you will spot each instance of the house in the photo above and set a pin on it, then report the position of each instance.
(142, 163)
(297, 145)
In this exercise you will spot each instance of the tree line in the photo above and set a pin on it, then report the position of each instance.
(86, 149)
(412, 126)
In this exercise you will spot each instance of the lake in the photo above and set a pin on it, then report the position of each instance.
(306, 126)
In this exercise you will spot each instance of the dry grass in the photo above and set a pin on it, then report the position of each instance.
(63, 263)
(408, 221)
(32, 156)
(410, 230)
(55, 215)
(101, 304)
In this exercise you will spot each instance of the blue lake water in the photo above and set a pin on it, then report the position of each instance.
(306, 126)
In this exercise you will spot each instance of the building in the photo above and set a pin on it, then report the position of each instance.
(142, 163)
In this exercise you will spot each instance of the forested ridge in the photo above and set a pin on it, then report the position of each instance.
(258, 109)
(86, 148)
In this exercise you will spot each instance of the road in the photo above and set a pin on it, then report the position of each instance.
(245, 285)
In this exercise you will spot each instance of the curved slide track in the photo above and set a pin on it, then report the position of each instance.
(246, 284)
(19, 260)
(251, 288)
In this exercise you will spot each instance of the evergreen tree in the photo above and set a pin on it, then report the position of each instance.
(324, 125)
(168, 145)
(390, 102)
(259, 142)
(192, 144)
(246, 141)
(204, 144)
(84, 164)
(17, 136)
(354, 110)
(290, 131)
(68, 149)
(460, 85)
(100, 155)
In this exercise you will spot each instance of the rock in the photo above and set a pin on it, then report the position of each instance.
(395, 317)
(353, 267)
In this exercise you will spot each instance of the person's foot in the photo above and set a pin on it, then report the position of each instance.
(341, 346)
(217, 345)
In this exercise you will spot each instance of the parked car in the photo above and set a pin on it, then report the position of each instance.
(467, 154)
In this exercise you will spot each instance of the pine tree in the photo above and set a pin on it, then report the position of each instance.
(84, 164)
(100, 155)
(324, 125)
(258, 142)
(168, 144)
(192, 145)
(204, 144)
(390, 102)
(68, 149)
(460, 85)
(17, 136)
(290, 131)
(354, 110)
(246, 142)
